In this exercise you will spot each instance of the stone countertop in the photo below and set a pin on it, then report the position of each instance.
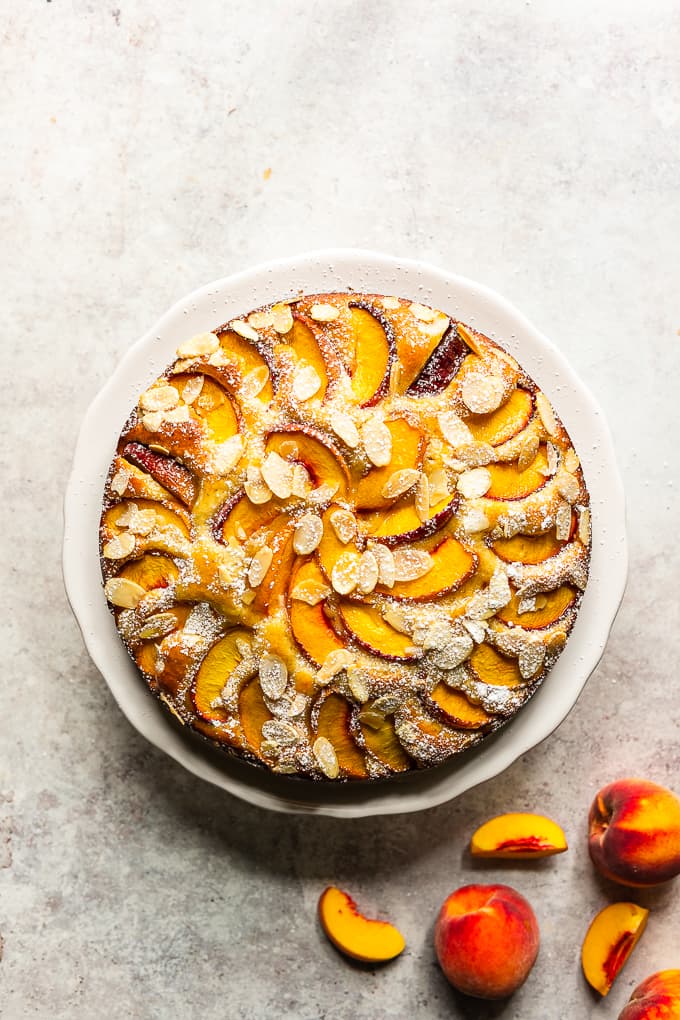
(153, 146)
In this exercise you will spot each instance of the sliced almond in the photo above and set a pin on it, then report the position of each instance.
(392, 303)
(281, 733)
(312, 592)
(260, 320)
(219, 359)
(157, 626)
(400, 482)
(226, 455)
(256, 488)
(410, 564)
(192, 388)
(306, 382)
(482, 393)
(254, 382)
(454, 429)
(119, 547)
(177, 415)
(231, 566)
(476, 629)
(584, 526)
(499, 592)
(152, 420)
(571, 460)
(278, 474)
(324, 312)
(344, 428)
(569, 487)
(139, 522)
(241, 327)
(474, 520)
(308, 534)
(343, 523)
(323, 494)
(282, 318)
(456, 650)
(422, 312)
(368, 572)
(473, 484)
(259, 565)
(345, 573)
(377, 440)
(397, 617)
(333, 664)
(546, 414)
(553, 460)
(385, 561)
(531, 659)
(527, 452)
(357, 681)
(422, 500)
(198, 346)
(563, 522)
(119, 482)
(123, 593)
(526, 606)
(438, 486)
(159, 398)
(302, 482)
(326, 758)
(273, 676)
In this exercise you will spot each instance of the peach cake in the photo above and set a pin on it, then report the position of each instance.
(344, 536)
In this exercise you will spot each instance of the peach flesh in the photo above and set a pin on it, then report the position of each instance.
(486, 940)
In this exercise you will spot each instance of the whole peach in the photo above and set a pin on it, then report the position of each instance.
(634, 832)
(486, 939)
(656, 998)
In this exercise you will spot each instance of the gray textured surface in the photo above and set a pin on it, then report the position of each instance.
(533, 147)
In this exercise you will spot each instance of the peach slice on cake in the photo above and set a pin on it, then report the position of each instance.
(530, 549)
(550, 606)
(442, 366)
(452, 564)
(508, 482)
(160, 625)
(374, 349)
(457, 710)
(163, 517)
(499, 426)
(368, 628)
(491, 667)
(381, 739)
(353, 934)
(152, 570)
(253, 712)
(247, 356)
(167, 471)
(609, 941)
(416, 342)
(519, 836)
(239, 518)
(310, 625)
(311, 346)
(402, 526)
(333, 721)
(214, 671)
(321, 458)
(271, 590)
(408, 449)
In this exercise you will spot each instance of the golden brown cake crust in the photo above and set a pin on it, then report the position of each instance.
(344, 537)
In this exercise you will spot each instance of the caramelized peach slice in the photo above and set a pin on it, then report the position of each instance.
(167, 471)
(373, 355)
(151, 571)
(416, 341)
(305, 346)
(215, 670)
(459, 710)
(382, 742)
(442, 366)
(247, 357)
(493, 668)
(272, 590)
(164, 518)
(518, 835)
(215, 409)
(239, 518)
(373, 633)
(452, 564)
(323, 461)
(499, 426)
(408, 448)
(508, 482)
(309, 624)
(553, 605)
(330, 547)
(609, 941)
(253, 712)
(355, 935)
(528, 548)
(146, 656)
(402, 525)
(333, 723)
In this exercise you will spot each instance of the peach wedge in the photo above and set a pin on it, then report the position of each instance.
(357, 936)
(609, 941)
(518, 836)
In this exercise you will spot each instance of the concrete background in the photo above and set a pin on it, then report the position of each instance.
(534, 147)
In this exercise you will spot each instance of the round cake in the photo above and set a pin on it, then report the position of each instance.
(344, 537)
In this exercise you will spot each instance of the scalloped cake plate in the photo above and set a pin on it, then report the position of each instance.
(470, 302)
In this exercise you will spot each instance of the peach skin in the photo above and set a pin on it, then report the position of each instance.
(609, 941)
(634, 833)
(355, 935)
(519, 836)
(655, 998)
(486, 939)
